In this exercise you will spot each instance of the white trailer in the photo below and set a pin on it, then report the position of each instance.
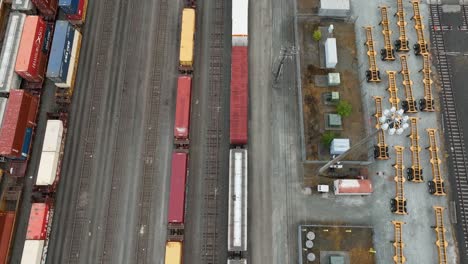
(32, 252)
(331, 56)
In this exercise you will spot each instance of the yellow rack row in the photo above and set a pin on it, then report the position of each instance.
(402, 44)
(399, 203)
(381, 149)
(387, 53)
(373, 74)
(410, 104)
(415, 172)
(436, 186)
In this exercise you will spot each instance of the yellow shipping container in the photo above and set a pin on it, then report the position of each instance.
(173, 253)
(187, 37)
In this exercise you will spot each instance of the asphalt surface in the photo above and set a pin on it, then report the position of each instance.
(112, 199)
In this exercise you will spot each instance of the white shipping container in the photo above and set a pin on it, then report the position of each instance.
(240, 22)
(3, 102)
(71, 66)
(32, 251)
(331, 56)
(22, 5)
(47, 168)
(53, 136)
(8, 78)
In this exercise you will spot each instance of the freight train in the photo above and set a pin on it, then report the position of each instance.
(34, 45)
(180, 156)
(238, 169)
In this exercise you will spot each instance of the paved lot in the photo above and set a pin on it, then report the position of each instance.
(99, 215)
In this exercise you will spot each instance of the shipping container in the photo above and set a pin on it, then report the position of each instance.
(32, 252)
(8, 78)
(47, 172)
(73, 67)
(47, 8)
(3, 104)
(173, 253)
(59, 59)
(239, 96)
(27, 142)
(187, 36)
(182, 118)
(7, 224)
(177, 191)
(33, 109)
(30, 54)
(331, 57)
(53, 136)
(353, 187)
(14, 124)
(240, 22)
(38, 221)
(23, 6)
(79, 17)
(69, 6)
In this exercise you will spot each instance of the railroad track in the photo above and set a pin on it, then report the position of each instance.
(152, 135)
(453, 130)
(213, 138)
(80, 216)
(111, 227)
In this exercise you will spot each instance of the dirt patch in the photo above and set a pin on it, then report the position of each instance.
(315, 110)
(308, 6)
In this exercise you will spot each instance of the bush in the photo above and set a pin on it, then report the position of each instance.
(328, 137)
(344, 108)
(317, 35)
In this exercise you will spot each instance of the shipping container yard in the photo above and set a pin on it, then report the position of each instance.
(218, 131)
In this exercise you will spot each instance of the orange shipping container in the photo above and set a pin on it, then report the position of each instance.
(173, 253)
(30, 61)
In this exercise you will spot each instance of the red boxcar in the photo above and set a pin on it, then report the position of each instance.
(15, 120)
(38, 220)
(48, 8)
(177, 193)
(239, 96)
(30, 61)
(182, 118)
(7, 222)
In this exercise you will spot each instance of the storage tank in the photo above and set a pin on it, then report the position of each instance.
(353, 187)
(31, 59)
(8, 78)
(59, 59)
(331, 56)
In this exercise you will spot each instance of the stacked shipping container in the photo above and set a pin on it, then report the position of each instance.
(47, 8)
(60, 54)
(7, 222)
(79, 17)
(36, 234)
(69, 7)
(23, 6)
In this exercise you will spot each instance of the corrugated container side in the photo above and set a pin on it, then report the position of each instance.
(7, 221)
(59, 59)
(69, 6)
(187, 37)
(73, 67)
(80, 16)
(32, 114)
(173, 253)
(46, 7)
(47, 168)
(38, 221)
(28, 61)
(182, 120)
(239, 96)
(14, 124)
(177, 191)
(53, 136)
(8, 78)
(22, 5)
(32, 252)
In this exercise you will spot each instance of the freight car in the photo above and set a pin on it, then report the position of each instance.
(237, 210)
(60, 54)
(187, 40)
(79, 17)
(182, 116)
(173, 253)
(176, 210)
(9, 204)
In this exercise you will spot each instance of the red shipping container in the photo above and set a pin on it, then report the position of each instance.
(38, 220)
(15, 121)
(182, 118)
(32, 115)
(47, 8)
(7, 221)
(177, 191)
(80, 16)
(239, 96)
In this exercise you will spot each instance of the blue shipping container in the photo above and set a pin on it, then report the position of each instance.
(60, 54)
(69, 7)
(26, 142)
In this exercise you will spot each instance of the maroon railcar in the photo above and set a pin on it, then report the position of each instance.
(239, 96)
(176, 209)
(182, 117)
(20, 113)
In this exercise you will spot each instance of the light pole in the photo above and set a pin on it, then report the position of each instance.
(392, 120)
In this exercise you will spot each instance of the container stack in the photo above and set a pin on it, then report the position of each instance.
(25, 6)
(75, 10)
(50, 156)
(47, 8)
(36, 233)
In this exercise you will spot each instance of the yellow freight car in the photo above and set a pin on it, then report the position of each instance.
(187, 40)
(173, 253)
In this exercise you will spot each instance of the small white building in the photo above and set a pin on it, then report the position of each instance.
(339, 146)
(331, 55)
(335, 8)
